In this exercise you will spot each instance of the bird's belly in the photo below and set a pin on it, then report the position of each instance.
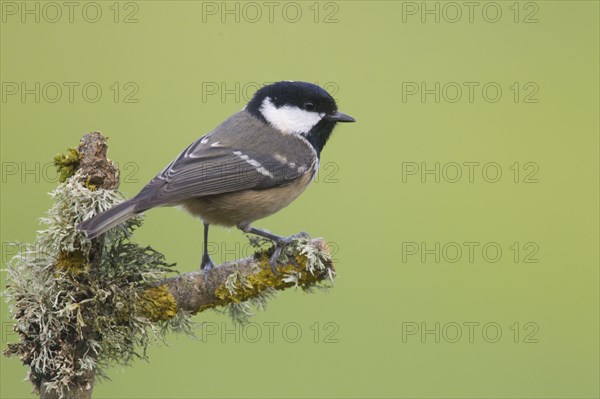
(244, 207)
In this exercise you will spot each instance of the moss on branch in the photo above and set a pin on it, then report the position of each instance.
(66, 164)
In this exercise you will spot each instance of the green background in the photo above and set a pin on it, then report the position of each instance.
(363, 202)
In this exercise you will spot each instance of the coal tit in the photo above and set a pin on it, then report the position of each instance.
(254, 164)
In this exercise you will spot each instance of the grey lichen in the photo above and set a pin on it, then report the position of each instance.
(70, 317)
(73, 203)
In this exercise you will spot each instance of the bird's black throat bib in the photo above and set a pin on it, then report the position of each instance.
(319, 135)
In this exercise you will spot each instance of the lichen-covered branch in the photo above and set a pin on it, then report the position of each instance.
(306, 263)
(97, 172)
(64, 296)
(80, 305)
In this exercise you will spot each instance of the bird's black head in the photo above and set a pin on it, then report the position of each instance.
(298, 108)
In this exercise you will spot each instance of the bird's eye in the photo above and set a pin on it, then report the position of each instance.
(309, 106)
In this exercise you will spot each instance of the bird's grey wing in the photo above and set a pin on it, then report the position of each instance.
(233, 157)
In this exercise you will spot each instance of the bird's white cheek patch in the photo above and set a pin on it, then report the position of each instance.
(289, 119)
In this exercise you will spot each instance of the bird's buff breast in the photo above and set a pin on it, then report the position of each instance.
(244, 207)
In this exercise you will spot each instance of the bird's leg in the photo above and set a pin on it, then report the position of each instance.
(207, 263)
(279, 242)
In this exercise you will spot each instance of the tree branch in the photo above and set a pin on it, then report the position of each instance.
(98, 173)
(308, 263)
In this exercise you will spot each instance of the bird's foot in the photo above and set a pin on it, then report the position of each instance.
(207, 265)
(279, 245)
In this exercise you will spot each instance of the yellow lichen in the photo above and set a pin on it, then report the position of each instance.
(66, 164)
(157, 304)
(90, 186)
(72, 262)
(258, 282)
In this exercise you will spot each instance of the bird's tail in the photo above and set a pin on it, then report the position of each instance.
(104, 221)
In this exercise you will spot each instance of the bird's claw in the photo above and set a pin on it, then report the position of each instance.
(274, 257)
(207, 265)
(278, 247)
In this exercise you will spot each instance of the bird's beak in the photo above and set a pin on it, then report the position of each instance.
(340, 117)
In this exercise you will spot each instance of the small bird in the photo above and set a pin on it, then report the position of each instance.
(252, 165)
